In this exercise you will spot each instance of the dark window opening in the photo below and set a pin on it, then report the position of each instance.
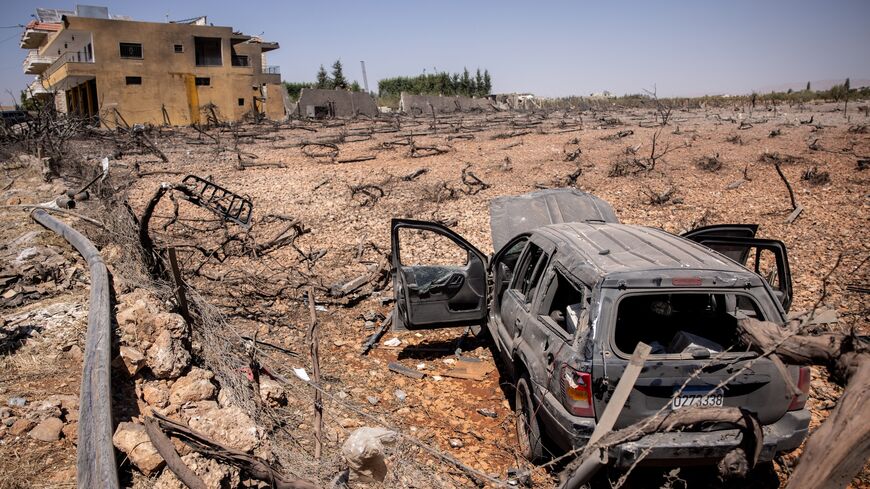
(134, 80)
(531, 269)
(241, 102)
(563, 303)
(179, 48)
(507, 266)
(682, 322)
(131, 50)
(203, 82)
(208, 51)
(240, 60)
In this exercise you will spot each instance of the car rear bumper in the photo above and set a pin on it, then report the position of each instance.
(687, 448)
(699, 447)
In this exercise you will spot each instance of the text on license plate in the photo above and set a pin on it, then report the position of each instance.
(698, 398)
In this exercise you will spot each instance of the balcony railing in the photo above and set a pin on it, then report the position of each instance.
(272, 70)
(34, 63)
(78, 57)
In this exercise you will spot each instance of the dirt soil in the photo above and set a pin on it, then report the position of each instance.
(470, 420)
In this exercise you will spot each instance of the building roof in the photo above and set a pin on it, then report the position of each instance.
(44, 26)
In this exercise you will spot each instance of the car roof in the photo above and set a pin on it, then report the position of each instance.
(609, 248)
(512, 215)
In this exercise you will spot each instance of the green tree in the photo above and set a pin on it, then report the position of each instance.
(295, 88)
(323, 81)
(465, 83)
(846, 87)
(354, 87)
(478, 84)
(487, 83)
(338, 79)
(27, 102)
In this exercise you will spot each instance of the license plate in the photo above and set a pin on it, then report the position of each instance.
(698, 398)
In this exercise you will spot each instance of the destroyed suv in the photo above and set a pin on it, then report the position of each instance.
(570, 292)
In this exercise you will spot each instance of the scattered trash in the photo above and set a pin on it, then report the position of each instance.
(394, 342)
(489, 413)
(401, 395)
(364, 452)
(470, 368)
(302, 374)
(456, 443)
(16, 401)
(421, 366)
(401, 369)
(372, 400)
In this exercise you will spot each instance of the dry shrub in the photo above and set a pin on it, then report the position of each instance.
(816, 177)
(709, 163)
(735, 139)
(776, 157)
(623, 167)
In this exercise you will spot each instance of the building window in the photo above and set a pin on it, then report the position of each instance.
(134, 80)
(208, 51)
(203, 81)
(179, 48)
(241, 102)
(240, 60)
(131, 50)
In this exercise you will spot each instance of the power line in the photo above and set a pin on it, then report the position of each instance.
(13, 36)
(19, 26)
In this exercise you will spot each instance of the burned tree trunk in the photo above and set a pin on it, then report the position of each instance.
(840, 447)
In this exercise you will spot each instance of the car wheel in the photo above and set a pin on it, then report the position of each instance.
(528, 431)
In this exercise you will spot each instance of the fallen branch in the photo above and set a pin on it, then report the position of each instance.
(255, 466)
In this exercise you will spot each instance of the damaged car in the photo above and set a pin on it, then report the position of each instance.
(570, 292)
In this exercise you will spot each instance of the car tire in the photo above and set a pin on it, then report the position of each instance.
(528, 429)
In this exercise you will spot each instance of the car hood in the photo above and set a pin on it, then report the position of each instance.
(513, 215)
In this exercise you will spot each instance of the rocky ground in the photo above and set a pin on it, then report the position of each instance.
(718, 167)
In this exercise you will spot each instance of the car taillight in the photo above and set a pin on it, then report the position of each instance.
(803, 384)
(577, 387)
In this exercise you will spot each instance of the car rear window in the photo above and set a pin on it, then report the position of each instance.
(681, 323)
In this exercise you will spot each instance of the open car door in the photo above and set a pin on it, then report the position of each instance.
(439, 278)
(737, 253)
(766, 257)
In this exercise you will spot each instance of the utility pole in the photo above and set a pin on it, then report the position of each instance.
(365, 78)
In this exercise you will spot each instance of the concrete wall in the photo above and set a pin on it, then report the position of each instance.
(345, 104)
(419, 104)
(168, 78)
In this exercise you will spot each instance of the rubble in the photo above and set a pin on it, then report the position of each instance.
(47, 430)
(195, 386)
(131, 439)
(229, 425)
(215, 475)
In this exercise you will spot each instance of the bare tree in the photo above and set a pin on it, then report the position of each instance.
(663, 109)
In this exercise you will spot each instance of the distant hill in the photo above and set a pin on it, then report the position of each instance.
(814, 84)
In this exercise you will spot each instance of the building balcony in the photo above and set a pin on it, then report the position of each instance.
(35, 64)
(68, 70)
(272, 70)
(36, 89)
(33, 38)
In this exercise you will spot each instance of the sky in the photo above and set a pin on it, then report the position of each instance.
(550, 48)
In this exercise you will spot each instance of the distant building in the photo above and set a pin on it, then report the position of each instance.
(117, 70)
(602, 94)
(515, 101)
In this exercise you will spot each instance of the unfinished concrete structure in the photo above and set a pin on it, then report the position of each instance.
(319, 103)
(425, 104)
(119, 71)
(515, 101)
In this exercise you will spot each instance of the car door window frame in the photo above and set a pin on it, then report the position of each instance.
(551, 280)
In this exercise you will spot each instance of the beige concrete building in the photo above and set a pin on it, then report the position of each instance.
(121, 71)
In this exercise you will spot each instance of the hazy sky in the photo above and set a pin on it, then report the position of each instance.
(548, 48)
